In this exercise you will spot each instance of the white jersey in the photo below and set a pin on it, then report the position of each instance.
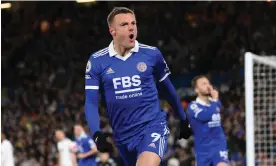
(7, 158)
(64, 148)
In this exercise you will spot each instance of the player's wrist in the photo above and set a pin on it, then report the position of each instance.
(215, 99)
(184, 122)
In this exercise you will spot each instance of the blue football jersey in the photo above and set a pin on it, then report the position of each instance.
(128, 84)
(85, 143)
(205, 122)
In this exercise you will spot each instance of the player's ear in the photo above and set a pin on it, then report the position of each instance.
(112, 31)
(196, 90)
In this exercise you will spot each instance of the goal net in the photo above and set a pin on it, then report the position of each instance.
(260, 97)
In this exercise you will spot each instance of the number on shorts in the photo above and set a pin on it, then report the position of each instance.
(156, 137)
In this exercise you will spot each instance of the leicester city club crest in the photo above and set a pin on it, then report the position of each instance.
(142, 67)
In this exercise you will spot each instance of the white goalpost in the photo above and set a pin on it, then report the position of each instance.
(260, 108)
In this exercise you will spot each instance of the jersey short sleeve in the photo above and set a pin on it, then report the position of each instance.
(92, 74)
(91, 143)
(161, 68)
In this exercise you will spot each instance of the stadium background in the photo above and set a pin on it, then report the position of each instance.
(45, 47)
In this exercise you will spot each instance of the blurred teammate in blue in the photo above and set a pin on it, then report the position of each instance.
(205, 121)
(125, 72)
(87, 150)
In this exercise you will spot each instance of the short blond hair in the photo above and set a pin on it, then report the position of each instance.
(116, 11)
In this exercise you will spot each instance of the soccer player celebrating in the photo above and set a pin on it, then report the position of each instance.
(125, 72)
(66, 157)
(204, 117)
(87, 149)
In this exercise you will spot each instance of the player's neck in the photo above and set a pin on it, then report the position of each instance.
(205, 99)
(121, 50)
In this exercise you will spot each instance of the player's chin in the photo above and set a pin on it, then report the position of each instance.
(131, 44)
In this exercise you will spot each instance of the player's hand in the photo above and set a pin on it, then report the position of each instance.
(214, 93)
(81, 156)
(184, 130)
(102, 144)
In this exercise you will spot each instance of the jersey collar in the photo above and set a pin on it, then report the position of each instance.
(201, 102)
(112, 52)
(83, 135)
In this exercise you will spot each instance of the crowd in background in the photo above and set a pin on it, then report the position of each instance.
(46, 45)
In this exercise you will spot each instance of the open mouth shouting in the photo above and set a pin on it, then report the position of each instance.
(131, 38)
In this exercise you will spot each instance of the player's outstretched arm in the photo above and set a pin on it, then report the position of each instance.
(91, 111)
(161, 74)
(172, 98)
(92, 83)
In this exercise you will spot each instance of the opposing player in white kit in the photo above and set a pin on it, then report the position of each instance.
(7, 158)
(66, 157)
